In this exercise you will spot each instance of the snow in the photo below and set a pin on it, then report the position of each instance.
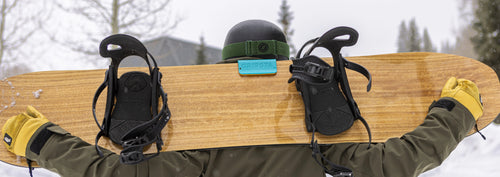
(10, 84)
(15, 171)
(12, 90)
(37, 93)
(472, 157)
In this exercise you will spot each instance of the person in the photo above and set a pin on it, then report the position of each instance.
(448, 121)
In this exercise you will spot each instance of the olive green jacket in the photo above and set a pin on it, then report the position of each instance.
(410, 155)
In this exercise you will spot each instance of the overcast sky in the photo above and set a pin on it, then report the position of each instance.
(376, 21)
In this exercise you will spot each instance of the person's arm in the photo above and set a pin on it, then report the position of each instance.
(34, 137)
(68, 155)
(412, 154)
(447, 123)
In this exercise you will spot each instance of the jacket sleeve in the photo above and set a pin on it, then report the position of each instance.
(68, 155)
(420, 150)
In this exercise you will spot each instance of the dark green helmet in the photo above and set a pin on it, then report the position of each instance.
(255, 39)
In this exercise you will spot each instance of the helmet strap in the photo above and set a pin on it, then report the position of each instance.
(256, 48)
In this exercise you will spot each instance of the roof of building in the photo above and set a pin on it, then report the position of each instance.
(169, 51)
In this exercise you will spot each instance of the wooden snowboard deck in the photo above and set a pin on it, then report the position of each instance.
(213, 106)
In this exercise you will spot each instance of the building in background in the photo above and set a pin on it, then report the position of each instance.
(169, 51)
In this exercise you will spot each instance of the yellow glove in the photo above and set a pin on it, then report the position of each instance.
(17, 131)
(465, 92)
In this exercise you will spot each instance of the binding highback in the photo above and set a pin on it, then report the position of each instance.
(134, 129)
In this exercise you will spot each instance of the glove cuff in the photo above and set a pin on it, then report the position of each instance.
(473, 105)
(40, 138)
(25, 135)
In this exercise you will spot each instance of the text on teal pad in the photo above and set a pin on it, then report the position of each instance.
(257, 67)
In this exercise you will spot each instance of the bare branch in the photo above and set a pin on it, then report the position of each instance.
(145, 15)
(98, 5)
(134, 17)
(88, 11)
(21, 40)
(10, 7)
(125, 3)
(17, 26)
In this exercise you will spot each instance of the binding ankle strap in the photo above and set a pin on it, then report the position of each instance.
(332, 168)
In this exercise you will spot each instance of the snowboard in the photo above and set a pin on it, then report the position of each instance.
(213, 106)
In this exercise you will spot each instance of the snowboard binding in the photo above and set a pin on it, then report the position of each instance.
(131, 117)
(329, 106)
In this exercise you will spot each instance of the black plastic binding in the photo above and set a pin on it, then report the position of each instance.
(329, 105)
(135, 122)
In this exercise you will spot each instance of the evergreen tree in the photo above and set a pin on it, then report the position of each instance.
(463, 45)
(403, 37)
(285, 18)
(446, 47)
(427, 43)
(409, 39)
(200, 51)
(414, 40)
(487, 40)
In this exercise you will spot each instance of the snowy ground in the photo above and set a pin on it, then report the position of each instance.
(473, 157)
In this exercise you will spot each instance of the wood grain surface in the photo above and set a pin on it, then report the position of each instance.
(213, 106)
